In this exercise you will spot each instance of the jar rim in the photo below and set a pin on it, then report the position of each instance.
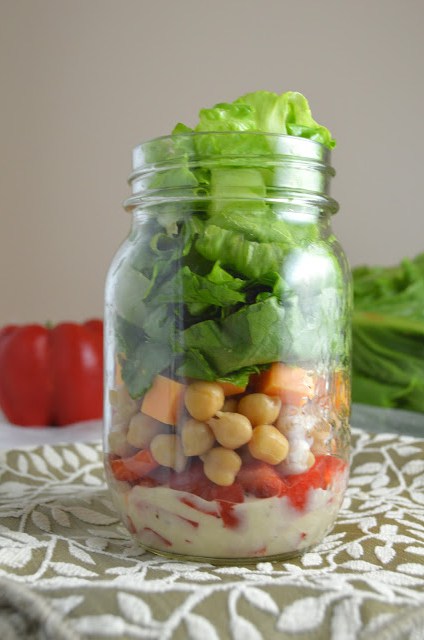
(162, 148)
(300, 167)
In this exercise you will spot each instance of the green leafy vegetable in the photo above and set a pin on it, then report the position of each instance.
(147, 360)
(234, 250)
(266, 112)
(227, 117)
(255, 220)
(287, 113)
(388, 335)
(217, 288)
(249, 337)
(205, 293)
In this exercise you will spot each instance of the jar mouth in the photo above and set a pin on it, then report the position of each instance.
(163, 148)
(171, 166)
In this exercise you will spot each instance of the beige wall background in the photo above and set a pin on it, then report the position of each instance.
(83, 81)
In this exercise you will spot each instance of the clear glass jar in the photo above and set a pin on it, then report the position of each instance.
(227, 331)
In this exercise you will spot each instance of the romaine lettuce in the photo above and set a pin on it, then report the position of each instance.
(264, 112)
(388, 335)
(207, 296)
(247, 257)
(286, 113)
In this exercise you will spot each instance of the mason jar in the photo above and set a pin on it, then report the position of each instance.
(228, 347)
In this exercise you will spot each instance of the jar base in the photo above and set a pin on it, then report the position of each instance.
(226, 562)
(179, 525)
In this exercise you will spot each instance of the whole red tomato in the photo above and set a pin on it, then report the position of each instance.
(51, 375)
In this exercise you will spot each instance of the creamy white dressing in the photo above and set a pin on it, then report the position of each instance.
(177, 522)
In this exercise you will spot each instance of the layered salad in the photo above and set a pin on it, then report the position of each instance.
(228, 385)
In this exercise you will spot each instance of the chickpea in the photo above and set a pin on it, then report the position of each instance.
(232, 430)
(260, 408)
(268, 444)
(119, 423)
(221, 466)
(125, 406)
(142, 429)
(119, 445)
(167, 450)
(204, 399)
(196, 437)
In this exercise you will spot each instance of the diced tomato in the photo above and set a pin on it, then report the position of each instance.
(298, 491)
(121, 471)
(319, 476)
(134, 467)
(261, 480)
(193, 480)
(232, 494)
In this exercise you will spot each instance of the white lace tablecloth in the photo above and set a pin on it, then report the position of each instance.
(68, 569)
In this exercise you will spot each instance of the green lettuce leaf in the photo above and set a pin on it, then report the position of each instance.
(234, 251)
(262, 112)
(205, 295)
(236, 187)
(388, 335)
(288, 113)
(131, 287)
(249, 337)
(255, 220)
(227, 117)
(217, 288)
(145, 362)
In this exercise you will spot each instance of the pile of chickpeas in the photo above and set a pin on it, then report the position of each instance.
(214, 428)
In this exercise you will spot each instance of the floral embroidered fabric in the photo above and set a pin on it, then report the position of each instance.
(61, 541)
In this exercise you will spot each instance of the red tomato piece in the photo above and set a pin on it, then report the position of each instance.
(319, 476)
(134, 467)
(261, 480)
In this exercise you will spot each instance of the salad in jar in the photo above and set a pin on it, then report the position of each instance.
(227, 335)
